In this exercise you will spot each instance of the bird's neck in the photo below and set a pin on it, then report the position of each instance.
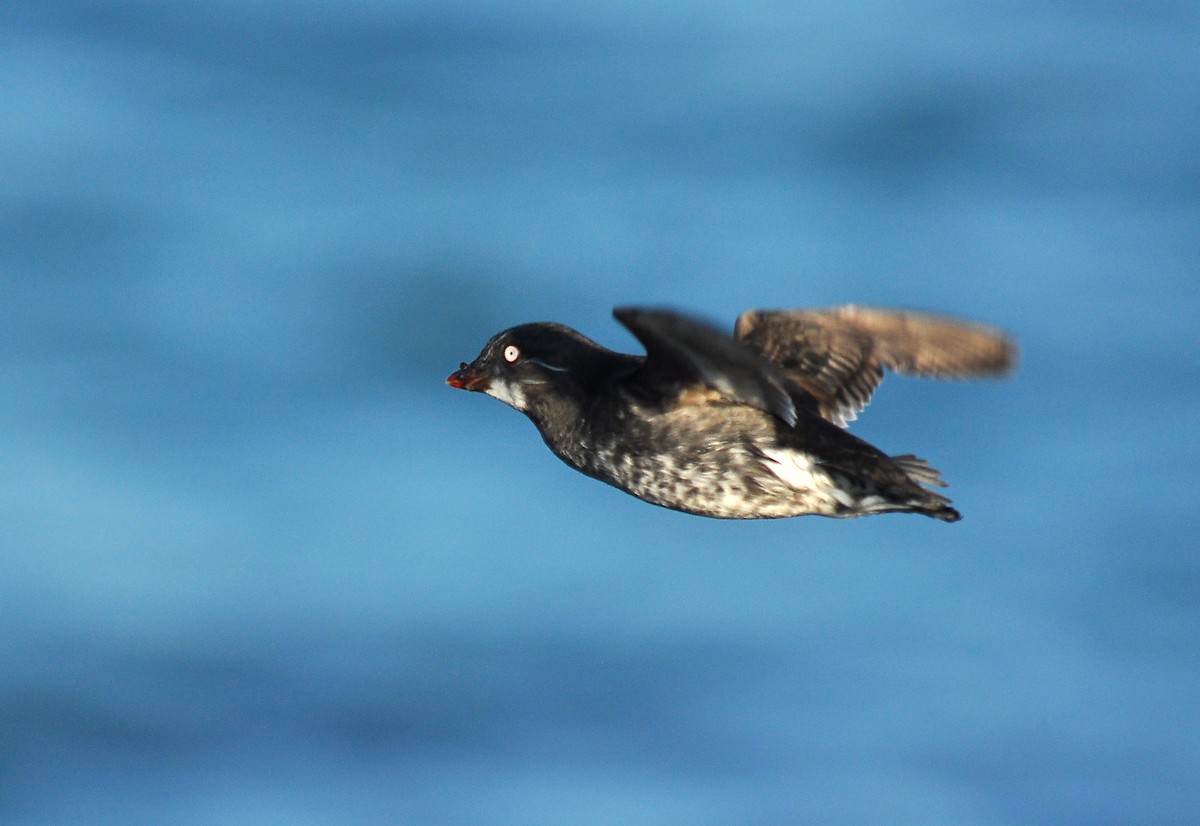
(558, 415)
(580, 395)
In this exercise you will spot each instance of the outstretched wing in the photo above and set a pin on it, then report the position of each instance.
(684, 354)
(839, 354)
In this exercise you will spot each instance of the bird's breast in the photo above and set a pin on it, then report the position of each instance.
(713, 461)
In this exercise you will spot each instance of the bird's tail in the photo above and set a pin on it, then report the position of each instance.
(923, 474)
(919, 470)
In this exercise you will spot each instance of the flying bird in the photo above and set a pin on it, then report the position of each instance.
(748, 426)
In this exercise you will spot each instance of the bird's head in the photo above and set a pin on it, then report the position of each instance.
(532, 366)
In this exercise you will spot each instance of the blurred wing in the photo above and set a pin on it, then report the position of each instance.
(683, 354)
(839, 354)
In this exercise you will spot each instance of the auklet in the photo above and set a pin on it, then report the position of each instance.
(749, 426)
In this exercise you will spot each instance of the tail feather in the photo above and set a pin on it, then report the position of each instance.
(926, 503)
(919, 470)
(922, 473)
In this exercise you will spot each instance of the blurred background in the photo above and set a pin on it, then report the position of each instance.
(259, 565)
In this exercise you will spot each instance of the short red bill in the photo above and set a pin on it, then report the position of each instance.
(464, 379)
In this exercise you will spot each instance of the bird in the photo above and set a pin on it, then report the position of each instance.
(744, 426)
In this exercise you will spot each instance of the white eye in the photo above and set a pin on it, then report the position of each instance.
(511, 353)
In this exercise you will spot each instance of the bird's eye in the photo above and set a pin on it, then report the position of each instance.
(511, 353)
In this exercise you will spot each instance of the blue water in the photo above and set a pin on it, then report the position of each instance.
(258, 565)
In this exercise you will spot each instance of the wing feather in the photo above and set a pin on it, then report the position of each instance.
(838, 355)
(683, 354)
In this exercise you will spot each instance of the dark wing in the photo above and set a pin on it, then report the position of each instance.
(682, 354)
(839, 354)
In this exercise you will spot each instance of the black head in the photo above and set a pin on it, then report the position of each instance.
(533, 364)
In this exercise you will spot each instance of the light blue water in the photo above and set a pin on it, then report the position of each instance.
(259, 565)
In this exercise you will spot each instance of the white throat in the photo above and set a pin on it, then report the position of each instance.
(508, 392)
